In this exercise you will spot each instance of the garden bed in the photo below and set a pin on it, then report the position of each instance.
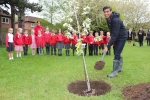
(140, 91)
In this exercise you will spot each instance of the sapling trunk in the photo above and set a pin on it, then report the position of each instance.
(85, 73)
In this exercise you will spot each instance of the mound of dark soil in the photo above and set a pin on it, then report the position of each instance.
(98, 87)
(138, 92)
(99, 65)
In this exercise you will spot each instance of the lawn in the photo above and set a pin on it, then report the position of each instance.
(43, 77)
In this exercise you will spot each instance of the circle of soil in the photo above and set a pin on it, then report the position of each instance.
(99, 65)
(98, 88)
(137, 92)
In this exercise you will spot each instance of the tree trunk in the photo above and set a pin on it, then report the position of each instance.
(13, 18)
(21, 17)
(52, 12)
(0, 32)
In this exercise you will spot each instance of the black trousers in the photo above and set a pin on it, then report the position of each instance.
(140, 43)
(47, 46)
(37, 50)
(40, 50)
(25, 49)
(53, 49)
(73, 49)
(118, 48)
(90, 49)
(109, 51)
(95, 49)
(148, 42)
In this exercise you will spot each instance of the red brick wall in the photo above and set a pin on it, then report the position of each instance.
(6, 25)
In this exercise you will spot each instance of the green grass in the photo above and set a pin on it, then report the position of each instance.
(46, 77)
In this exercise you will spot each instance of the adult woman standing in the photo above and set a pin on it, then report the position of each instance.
(148, 37)
(141, 36)
(37, 28)
(130, 36)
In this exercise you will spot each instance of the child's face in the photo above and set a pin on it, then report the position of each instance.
(10, 31)
(96, 34)
(108, 34)
(26, 32)
(20, 30)
(101, 33)
(47, 29)
(74, 33)
(39, 32)
(59, 31)
(32, 31)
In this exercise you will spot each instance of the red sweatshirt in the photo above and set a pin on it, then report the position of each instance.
(26, 39)
(53, 39)
(6, 40)
(90, 39)
(36, 28)
(74, 40)
(103, 41)
(40, 41)
(67, 40)
(107, 40)
(47, 37)
(96, 42)
(84, 37)
(18, 39)
(59, 37)
(30, 39)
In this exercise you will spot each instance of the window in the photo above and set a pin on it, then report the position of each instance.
(5, 20)
(32, 24)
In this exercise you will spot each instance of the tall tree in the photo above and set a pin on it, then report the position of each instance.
(52, 10)
(19, 7)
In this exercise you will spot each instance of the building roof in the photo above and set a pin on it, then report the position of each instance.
(4, 13)
(30, 19)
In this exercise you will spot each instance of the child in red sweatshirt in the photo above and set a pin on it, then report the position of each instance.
(47, 36)
(36, 29)
(74, 41)
(40, 42)
(32, 42)
(90, 40)
(107, 40)
(53, 43)
(102, 42)
(10, 43)
(26, 40)
(18, 42)
(96, 43)
(60, 44)
(67, 42)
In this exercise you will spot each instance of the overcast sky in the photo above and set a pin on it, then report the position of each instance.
(35, 14)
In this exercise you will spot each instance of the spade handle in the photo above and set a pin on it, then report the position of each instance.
(103, 55)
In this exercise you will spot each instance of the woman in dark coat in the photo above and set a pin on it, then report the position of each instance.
(130, 36)
(148, 37)
(141, 36)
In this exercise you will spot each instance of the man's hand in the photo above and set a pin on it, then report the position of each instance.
(106, 49)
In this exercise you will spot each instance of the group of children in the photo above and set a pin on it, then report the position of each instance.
(96, 43)
(37, 40)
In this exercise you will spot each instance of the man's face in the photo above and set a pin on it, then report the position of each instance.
(107, 13)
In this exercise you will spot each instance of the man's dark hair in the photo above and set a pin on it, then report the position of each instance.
(107, 7)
